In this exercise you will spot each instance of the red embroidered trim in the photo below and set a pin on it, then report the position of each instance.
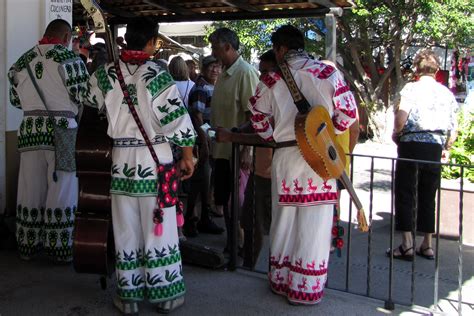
(307, 198)
(350, 113)
(268, 80)
(134, 57)
(258, 118)
(50, 40)
(283, 288)
(342, 90)
(326, 72)
(297, 269)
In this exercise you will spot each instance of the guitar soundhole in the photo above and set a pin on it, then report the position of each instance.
(332, 153)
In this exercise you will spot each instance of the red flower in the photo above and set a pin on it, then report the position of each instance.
(174, 185)
(165, 187)
(167, 176)
(161, 168)
(167, 199)
(162, 204)
(335, 231)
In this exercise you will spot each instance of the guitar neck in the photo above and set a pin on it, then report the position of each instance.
(350, 189)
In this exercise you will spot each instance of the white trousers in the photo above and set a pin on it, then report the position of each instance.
(45, 208)
(146, 265)
(300, 240)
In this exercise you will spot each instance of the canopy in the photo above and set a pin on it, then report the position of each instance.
(119, 11)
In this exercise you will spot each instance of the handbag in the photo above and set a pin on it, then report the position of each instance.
(64, 138)
(167, 174)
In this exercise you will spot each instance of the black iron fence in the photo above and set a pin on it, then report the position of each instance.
(353, 256)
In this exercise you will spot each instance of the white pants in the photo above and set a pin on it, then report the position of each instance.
(146, 265)
(45, 208)
(300, 240)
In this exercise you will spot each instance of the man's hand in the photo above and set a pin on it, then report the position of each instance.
(223, 135)
(186, 164)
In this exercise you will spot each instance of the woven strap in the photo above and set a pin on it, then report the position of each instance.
(299, 99)
(126, 94)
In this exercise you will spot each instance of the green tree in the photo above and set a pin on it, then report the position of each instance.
(376, 34)
(372, 39)
(254, 35)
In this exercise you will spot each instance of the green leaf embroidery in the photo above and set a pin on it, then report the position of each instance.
(128, 172)
(145, 172)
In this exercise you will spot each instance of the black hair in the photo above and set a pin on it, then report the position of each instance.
(57, 28)
(225, 35)
(269, 56)
(139, 32)
(288, 36)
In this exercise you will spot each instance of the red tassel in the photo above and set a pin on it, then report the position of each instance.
(180, 219)
(158, 229)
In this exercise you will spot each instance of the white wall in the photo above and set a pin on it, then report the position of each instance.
(3, 102)
(22, 24)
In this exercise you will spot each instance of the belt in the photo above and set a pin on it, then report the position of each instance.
(288, 143)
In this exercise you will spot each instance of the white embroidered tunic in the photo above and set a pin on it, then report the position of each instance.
(60, 88)
(297, 184)
(166, 120)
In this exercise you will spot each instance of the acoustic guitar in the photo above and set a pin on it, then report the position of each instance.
(316, 140)
(317, 143)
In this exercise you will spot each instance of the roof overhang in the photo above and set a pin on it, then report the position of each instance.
(119, 11)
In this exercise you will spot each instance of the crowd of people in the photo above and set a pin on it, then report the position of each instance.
(155, 109)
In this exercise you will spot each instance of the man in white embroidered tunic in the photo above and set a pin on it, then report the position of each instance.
(302, 204)
(147, 265)
(47, 198)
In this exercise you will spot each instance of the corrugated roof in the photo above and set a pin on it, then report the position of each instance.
(189, 10)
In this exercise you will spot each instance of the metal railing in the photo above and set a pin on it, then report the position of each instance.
(390, 299)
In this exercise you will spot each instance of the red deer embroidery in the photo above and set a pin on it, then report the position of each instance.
(326, 187)
(272, 258)
(348, 101)
(297, 188)
(311, 266)
(344, 123)
(290, 280)
(315, 72)
(311, 188)
(299, 262)
(286, 259)
(279, 278)
(284, 187)
(303, 285)
(322, 265)
(316, 287)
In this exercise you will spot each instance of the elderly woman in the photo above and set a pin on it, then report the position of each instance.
(424, 129)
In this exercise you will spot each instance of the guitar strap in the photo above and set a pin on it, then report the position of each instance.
(301, 103)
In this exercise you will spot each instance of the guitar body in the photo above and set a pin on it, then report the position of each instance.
(93, 244)
(317, 142)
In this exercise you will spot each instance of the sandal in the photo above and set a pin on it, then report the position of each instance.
(421, 252)
(403, 253)
(125, 306)
(169, 306)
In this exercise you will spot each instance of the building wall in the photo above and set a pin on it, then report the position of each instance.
(22, 23)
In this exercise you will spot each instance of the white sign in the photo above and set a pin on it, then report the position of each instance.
(59, 9)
